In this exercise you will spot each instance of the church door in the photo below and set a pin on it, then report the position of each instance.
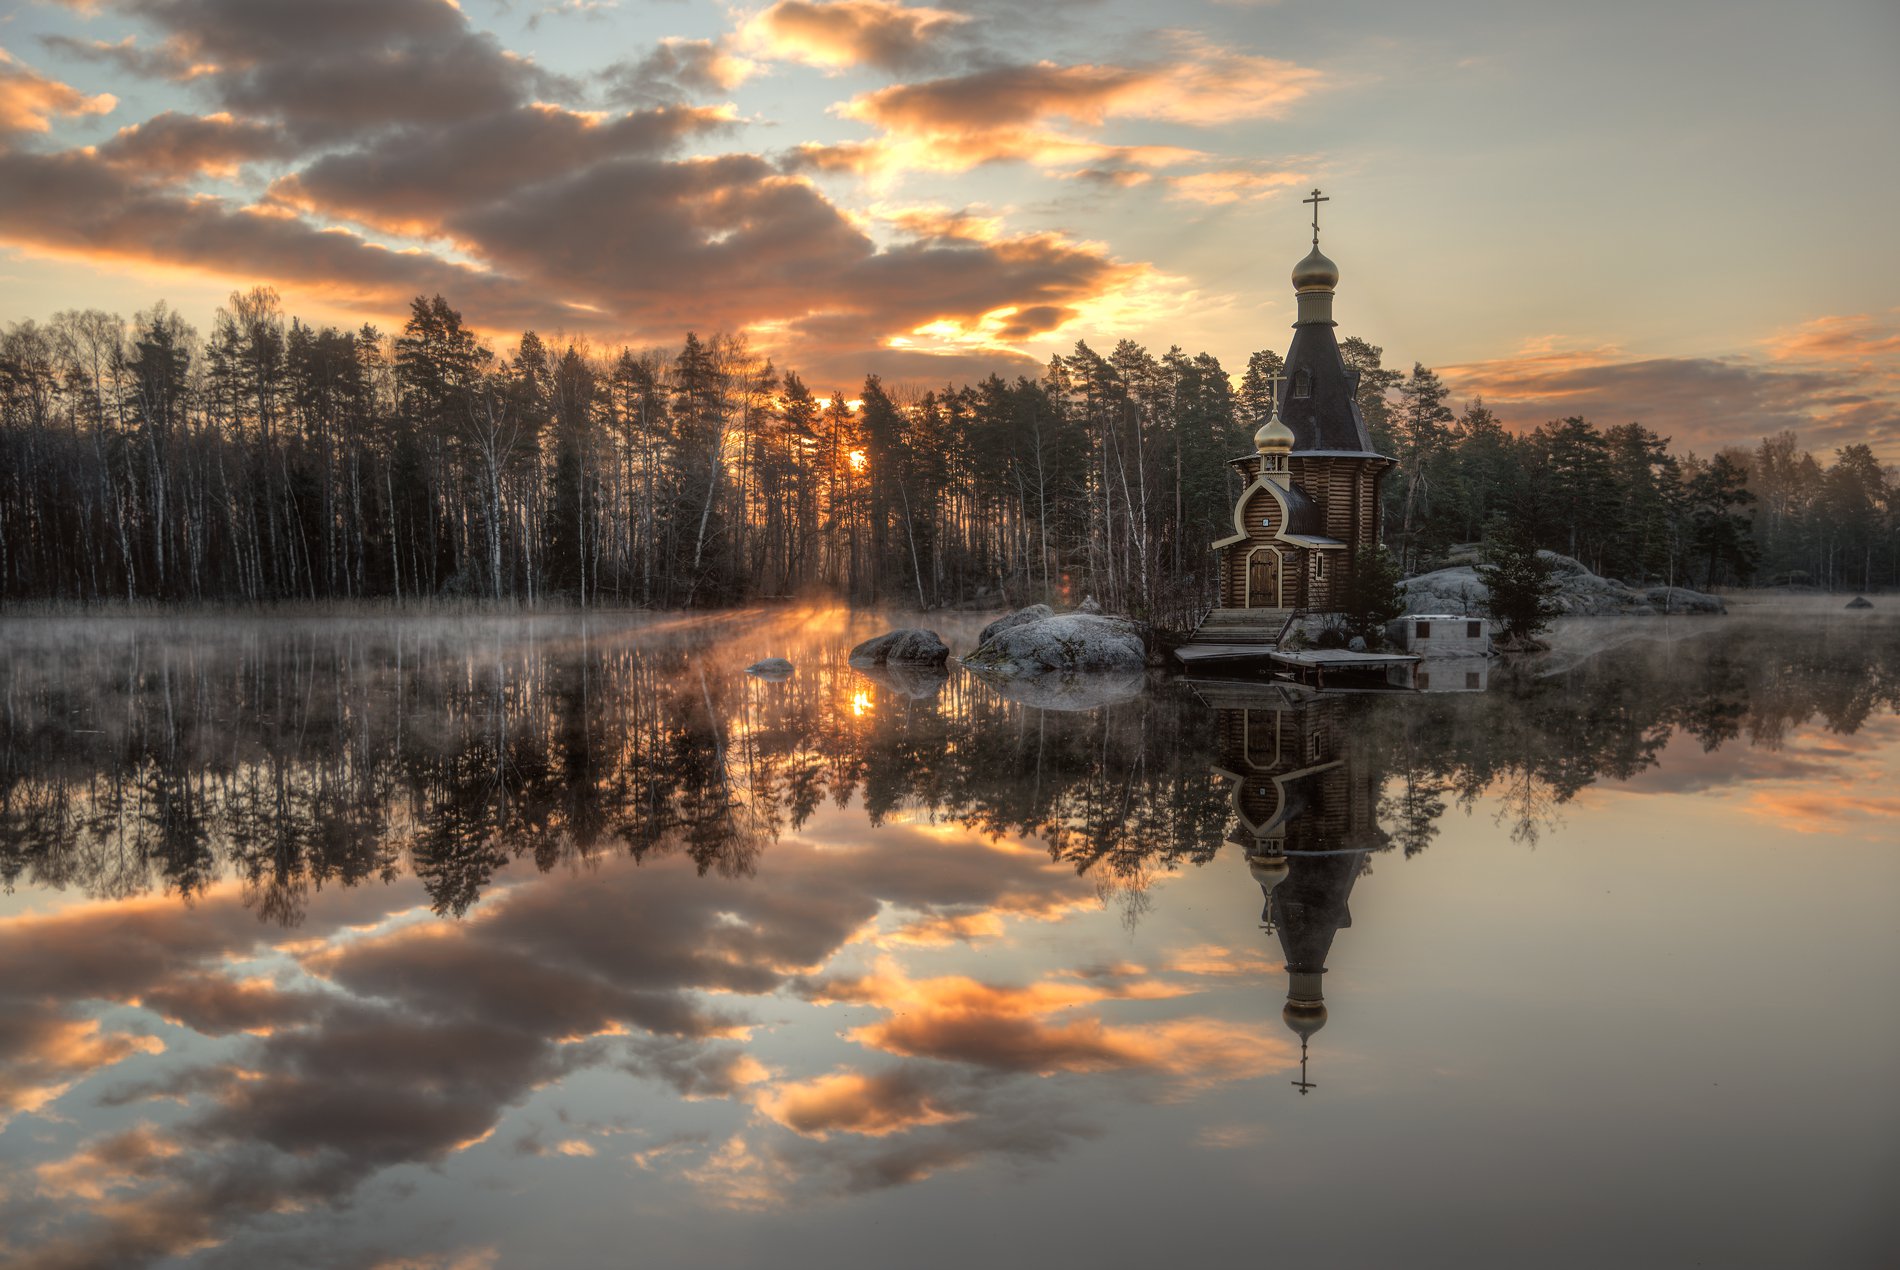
(1263, 579)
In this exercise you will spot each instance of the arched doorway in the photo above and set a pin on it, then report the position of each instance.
(1263, 578)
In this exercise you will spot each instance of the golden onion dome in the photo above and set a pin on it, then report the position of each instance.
(1303, 1018)
(1273, 435)
(1315, 273)
(1268, 870)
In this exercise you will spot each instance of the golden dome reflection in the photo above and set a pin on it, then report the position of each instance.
(1303, 1018)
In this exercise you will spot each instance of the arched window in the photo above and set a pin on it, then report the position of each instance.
(1303, 383)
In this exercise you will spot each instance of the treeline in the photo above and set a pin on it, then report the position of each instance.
(1621, 502)
(272, 460)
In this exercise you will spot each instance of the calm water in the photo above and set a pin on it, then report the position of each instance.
(535, 943)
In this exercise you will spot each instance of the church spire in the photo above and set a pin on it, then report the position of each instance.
(1315, 277)
(1274, 440)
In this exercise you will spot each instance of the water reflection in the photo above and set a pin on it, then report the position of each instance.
(375, 895)
(292, 758)
(1305, 820)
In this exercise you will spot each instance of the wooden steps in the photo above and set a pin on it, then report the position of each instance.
(1243, 626)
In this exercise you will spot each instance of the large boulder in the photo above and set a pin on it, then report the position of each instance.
(1580, 593)
(1072, 642)
(775, 669)
(1034, 613)
(907, 647)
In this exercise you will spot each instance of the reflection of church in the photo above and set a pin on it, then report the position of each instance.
(1305, 819)
(1312, 485)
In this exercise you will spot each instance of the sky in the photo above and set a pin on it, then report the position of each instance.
(1679, 214)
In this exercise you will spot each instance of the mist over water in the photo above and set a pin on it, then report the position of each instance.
(546, 941)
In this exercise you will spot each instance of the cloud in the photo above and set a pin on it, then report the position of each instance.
(422, 182)
(169, 60)
(674, 70)
(1005, 113)
(175, 147)
(339, 69)
(1203, 85)
(847, 33)
(853, 1102)
(1230, 185)
(1015, 1029)
(1832, 381)
(524, 212)
(29, 102)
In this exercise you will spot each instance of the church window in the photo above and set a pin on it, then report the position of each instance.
(1471, 680)
(1422, 630)
(1473, 629)
(1319, 567)
(1303, 383)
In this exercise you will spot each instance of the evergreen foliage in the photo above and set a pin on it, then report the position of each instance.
(272, 460)
(1521, 582)
(1370, 597)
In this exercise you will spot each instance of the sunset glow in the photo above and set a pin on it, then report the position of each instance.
(933, 192)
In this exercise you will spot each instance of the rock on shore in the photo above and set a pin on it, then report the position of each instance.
(1075, 642)
(910, 646)
(1034, 613)
(772, 668)
(1580, 593)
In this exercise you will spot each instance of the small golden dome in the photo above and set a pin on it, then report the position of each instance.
(1268, 870)
(1315, 273)
(1273, 435)
(1303, 1018)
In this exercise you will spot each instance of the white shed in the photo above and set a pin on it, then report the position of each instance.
(1442, 634)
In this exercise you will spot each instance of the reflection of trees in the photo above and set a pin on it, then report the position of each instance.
(290, 758)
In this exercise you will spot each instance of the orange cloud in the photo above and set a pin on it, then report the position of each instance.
(29, 101)
(958, 1019)
(45, 1056)
(108, 1164)
(847, 33)
(852, 1102)
(1832, 381)
(1232, 185)
(1824, 813)
(1205, 85)
(1219, 960)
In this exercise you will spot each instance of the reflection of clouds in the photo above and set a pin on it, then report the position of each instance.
(855, 1102)
(962, 1020)
(1807, 812)
(406, 1043)
(45, 1056)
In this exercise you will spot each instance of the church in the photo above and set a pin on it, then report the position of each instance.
(1311, 487)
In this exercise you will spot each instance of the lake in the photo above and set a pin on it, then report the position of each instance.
(447, 944)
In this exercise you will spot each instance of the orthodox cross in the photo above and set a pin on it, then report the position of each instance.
(1303, 1084)
(1316, 200)
(1273, 390)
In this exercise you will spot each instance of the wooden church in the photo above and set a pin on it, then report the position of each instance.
(1311, 496)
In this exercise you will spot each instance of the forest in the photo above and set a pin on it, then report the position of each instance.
(272, 461)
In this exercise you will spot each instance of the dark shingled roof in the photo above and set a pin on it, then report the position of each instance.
(1309, 908)
(1302, 513)
(1329, 419)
